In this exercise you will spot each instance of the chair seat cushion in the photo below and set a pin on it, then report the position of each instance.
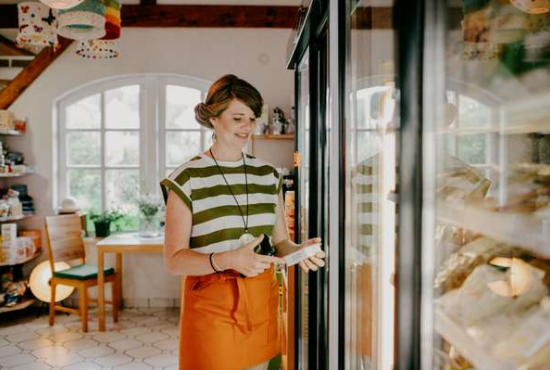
(82, 272)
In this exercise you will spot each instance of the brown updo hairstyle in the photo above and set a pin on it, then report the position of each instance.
(221, 93)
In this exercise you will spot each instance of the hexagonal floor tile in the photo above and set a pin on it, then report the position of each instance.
(64, 360)
(32, 366)
(22, 337)
(8, 351)
(125, 344)
(35, 344)
(50, 351)
(135, 331)
(167, 345)
(14, 329)
(143, 352)
(96, 352)
(134, 366)
(16, 360)
(80, 344)
(153, 337)
(108, 337)
(113, 360)
(161, 360)
(65, 337)
(83, 366)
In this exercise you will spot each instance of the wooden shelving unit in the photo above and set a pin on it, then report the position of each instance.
(11, 132)
(16, 218)
(26, 303)
(19, 262)
(273, 137)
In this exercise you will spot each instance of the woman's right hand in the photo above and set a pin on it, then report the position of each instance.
(248, 262)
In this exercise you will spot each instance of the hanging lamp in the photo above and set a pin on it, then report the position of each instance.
(85, 21)
(61, 4)
(98, 49)
(37, 24)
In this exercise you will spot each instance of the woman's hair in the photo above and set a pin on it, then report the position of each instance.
(221, 93)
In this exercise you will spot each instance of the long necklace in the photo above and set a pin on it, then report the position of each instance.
(246, 237)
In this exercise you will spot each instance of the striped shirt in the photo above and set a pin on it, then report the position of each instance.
(217, 222)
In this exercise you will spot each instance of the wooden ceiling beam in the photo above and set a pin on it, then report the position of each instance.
(25, 78)
(189, 16)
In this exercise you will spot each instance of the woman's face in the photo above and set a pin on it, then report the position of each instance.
(234, 125)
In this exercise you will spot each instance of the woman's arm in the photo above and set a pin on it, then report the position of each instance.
(285, 246)
(180, 260)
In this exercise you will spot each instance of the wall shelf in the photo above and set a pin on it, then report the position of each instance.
(26, 303)
(16, 218)
(19, 262)
(10, 175)
(10, 132)
(525, 230)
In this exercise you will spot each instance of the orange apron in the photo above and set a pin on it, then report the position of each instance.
(229, 322)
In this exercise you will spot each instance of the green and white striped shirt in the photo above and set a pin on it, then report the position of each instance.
(217, 223)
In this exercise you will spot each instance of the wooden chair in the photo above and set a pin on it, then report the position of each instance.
(65, 243)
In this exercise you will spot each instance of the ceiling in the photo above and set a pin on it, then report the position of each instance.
(204, 2)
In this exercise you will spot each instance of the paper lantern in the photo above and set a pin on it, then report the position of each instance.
(61, 4)
(39, 282)
(37, 24)
(113, 20)
(532, 6)
(85, 21)
(98, 49)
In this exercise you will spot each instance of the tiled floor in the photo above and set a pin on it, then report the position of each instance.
(142, 339)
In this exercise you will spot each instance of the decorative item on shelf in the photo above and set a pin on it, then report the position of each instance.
(37, 26)
(149, 215)
(278, 122)
(532, 6)
(16, 208)
(98, 49)
(61, 4)
(35, 235)
(262, 122)
(6, 120)
(14, 292)
(26, 200)
(102, 221)
(85, 21)
(39, 282)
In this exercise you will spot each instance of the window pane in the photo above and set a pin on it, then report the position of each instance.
(122, 148)
(180, 107)
(207, 139)
(85, 113)
(85, 186)
(122, 188)
(122, 107)
(181, 146)
(83, 148)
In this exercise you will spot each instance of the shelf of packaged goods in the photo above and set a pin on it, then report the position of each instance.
(273, 137)
(16, 218)
(523, 230)
(19, 262)
(479, 356)
(26, 303)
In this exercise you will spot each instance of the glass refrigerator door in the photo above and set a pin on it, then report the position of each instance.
(371, 151)
(303, 127)
(490, 148)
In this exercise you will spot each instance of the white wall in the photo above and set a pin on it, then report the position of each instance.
(257, 55)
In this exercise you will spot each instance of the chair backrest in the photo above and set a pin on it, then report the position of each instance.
(64, 236)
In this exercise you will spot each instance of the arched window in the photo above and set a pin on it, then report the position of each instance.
(117, 138)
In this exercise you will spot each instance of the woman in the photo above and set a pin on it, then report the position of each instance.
(219, 205)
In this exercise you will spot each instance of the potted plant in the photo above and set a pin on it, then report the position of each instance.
(149, 216)
(102, 221)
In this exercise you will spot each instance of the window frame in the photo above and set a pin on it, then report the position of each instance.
(152, 129)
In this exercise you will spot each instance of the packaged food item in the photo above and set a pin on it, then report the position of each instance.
(299, 255)
(474, 301)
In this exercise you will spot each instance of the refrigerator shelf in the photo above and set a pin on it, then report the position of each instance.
(456, 335)
(524, 230)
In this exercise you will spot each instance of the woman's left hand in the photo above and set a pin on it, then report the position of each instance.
(314, 262)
